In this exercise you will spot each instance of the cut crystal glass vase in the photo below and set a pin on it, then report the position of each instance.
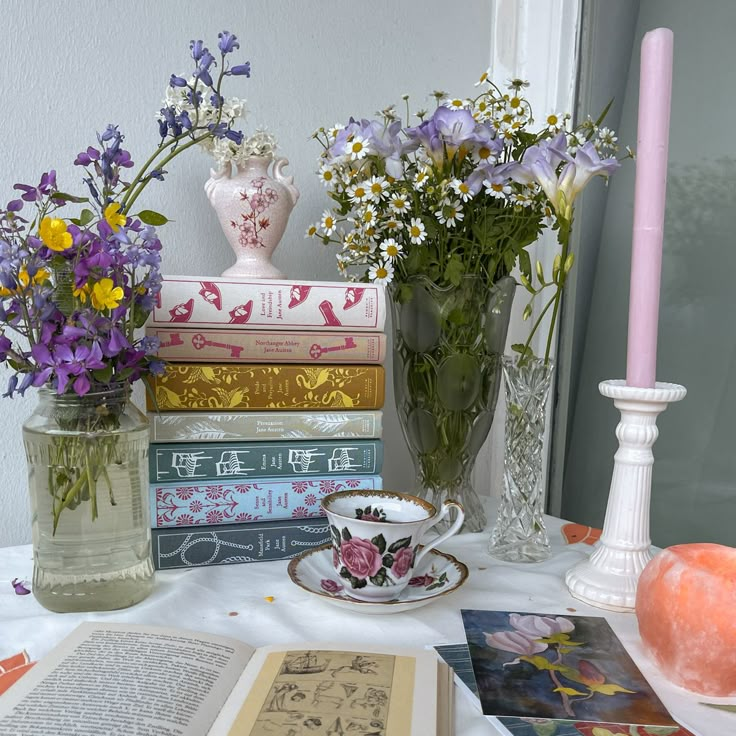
(520, 534)
(448, 344)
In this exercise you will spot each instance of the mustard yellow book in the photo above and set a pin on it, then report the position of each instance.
(254, 387)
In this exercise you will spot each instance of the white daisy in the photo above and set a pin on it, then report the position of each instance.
(334, 130)
(327, 176)
(462, 189)
(524, 200)
(376, 187)
(454, 104)
(381, 273)
(399, 204)
(554, 121)
(356, 147)
(483, 77)
(450, 213)
(311, 231)
(391, 249)
(420, 179)
(393, 225)
(358, 192)
(497, 189)
(484, 155)
(328, 223)
(417, 231)
(607, 137)
(368, 215)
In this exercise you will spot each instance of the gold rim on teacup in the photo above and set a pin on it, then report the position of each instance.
(389, 495)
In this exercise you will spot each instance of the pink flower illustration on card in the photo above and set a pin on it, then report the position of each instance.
(310, 499)
(184, 520)
(185, 493)
(195, 506)
(215, 517)
(300, 486)
(300, 512)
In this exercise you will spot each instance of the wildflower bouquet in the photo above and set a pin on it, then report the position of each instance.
(442, 212)
(464, 192)
(75, 286)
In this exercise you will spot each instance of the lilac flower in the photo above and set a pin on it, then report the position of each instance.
(227, 42)
(114, 344)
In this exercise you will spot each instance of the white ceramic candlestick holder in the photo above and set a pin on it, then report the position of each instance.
(608, 579)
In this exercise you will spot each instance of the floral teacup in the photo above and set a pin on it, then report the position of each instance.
(376, 539)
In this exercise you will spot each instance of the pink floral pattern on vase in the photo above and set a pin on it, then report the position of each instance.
(253, 208)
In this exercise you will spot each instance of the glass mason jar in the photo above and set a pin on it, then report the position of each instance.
(88, 485)
(520, 534)
(448, 344)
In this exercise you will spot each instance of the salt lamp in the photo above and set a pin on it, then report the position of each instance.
(686, 607)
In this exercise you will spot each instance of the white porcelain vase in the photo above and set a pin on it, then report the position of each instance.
(253, 207)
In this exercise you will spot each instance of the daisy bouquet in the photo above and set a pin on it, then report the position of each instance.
(75, 286)
(464, 191)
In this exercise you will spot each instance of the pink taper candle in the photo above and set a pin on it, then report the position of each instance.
(655, 93)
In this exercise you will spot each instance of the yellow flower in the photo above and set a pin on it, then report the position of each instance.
(81, 293)
(105, 295)
(113, 217)
(54, 234)
(24, 280)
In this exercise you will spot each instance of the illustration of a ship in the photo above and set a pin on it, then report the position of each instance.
(304, 664)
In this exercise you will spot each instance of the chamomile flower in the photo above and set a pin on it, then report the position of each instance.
(417, 231)
(376, 187)
(391, 249)
(312, 230)
(381, 273)
(462, 189)
(554, 121)
(420, 179)
(521, 199)
(499, 189)
(368, 215)
(450, 213)
(328, 223)
(483, 77)
(327, 176)
(357, 147)
(454, 104)
(515, 105)
(358, 192)
(367, 247)
(484, 155)
(334, 130)
(371, 232)
(399, 204)
(607, 137)
(392, 225)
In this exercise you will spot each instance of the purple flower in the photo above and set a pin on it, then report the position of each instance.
(5, 347)
(48, 182)
(115, 343)
(240, 70)
(87, 157)
(234, 135)
(76, 362)
(197, 48)
(30, 194)
(150, 344)
(15, 205)
(175, 81)
(227, 42)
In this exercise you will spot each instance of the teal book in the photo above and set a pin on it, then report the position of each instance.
(176, 462)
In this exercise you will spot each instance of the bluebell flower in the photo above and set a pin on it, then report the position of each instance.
(197, 48)
(240, 70)
(175, 81)
(227, 42)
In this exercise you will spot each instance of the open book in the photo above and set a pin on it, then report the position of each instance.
(148, 681)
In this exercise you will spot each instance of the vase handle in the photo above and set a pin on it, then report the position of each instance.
(454, 529)
(224, 171)
(288, 181)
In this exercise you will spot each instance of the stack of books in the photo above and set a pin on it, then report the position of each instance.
(271, 399)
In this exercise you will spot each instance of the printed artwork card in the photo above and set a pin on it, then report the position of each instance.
(570, 668)
(458, 657)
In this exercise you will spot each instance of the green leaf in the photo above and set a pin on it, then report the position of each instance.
(64, 197)
(569, 262)
(568, 691)
(335, 532)
(399, 544)
(527, 312)
(719, 706)
(103, 375)
(519, 347)
(380, 542)
(454, 270)
(85, 217)
(388, 560)
(346, 535)
(379, 578)
(149, 217)
(525, 265)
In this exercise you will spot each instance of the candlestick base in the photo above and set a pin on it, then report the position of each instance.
(608, 579)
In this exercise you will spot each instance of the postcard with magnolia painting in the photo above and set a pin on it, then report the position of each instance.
(562, 667)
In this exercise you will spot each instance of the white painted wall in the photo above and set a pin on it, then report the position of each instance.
(70, 68)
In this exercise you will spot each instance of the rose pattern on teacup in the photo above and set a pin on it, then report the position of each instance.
(360, 561)
(370, 513)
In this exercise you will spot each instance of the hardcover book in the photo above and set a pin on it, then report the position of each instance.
(251, 346)
(131, 679)
(181, 504)
(206, 387)
(230, 461)
(261, 541)
(268, 304)
(263, 425)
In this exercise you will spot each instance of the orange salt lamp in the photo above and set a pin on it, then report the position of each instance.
(686, 607)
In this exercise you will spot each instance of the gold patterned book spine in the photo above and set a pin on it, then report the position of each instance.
(253, 387)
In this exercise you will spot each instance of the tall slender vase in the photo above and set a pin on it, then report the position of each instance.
(448, 344)
(253, 207)
(520, 534)
(88, 486)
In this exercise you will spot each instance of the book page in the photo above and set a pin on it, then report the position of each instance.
(326, 690)
(125, 680)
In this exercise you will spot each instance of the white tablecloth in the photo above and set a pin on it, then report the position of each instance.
(231, 600)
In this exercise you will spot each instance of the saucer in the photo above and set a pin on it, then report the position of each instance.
(437, 574)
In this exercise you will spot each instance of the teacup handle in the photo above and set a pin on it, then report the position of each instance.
(446, 506)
